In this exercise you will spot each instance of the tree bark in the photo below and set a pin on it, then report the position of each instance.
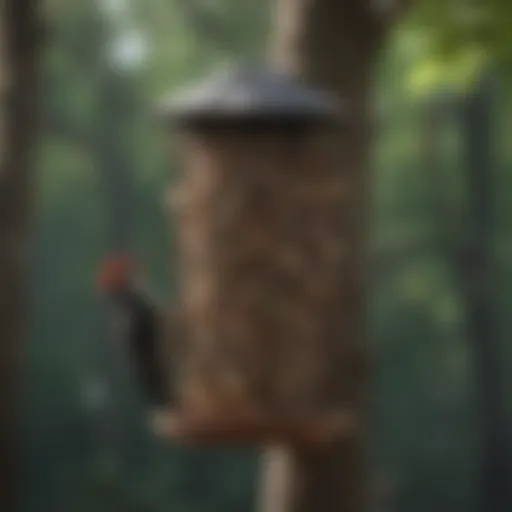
(18, 70)
(476, 281)
(333, 44)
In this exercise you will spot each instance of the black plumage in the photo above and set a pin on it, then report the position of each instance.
(139, 333)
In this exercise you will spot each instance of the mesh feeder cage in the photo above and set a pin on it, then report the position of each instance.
(258, 211)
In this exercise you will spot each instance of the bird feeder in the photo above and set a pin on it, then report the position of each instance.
(258, 213)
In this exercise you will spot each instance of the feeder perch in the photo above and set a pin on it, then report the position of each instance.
(258, 211)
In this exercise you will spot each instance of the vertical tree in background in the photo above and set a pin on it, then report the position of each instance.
(110, 147)
(334, 44)
(477, 281)
(469, 248)
(18, 73)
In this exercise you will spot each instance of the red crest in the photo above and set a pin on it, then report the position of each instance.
(115, 271)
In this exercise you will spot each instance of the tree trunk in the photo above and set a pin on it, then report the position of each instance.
(476, 279)
(333, 44)
(115, 103)
(18, 63)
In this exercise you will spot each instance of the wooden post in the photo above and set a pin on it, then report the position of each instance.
(333, 44)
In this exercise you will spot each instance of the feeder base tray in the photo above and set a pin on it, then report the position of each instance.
(320, 429)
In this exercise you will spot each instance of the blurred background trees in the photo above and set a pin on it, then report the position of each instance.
(20, 32)
(441, 188)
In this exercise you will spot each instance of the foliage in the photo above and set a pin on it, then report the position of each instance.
(451, 41)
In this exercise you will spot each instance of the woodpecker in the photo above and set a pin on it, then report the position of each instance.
(138, 326)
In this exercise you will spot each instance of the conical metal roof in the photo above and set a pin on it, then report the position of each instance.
(246, 92)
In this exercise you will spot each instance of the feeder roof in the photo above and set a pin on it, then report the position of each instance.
(249, 93)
